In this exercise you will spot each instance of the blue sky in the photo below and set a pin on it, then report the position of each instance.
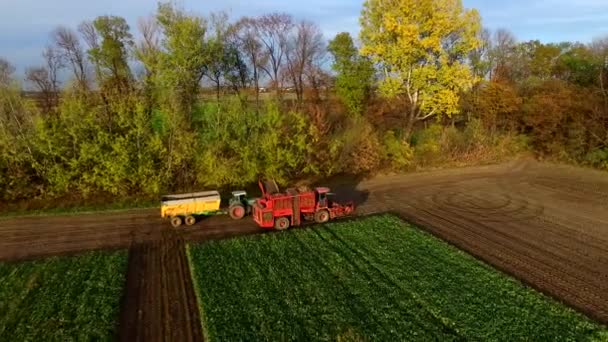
(25, 24)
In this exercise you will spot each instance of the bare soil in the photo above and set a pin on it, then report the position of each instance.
(546, 225)
(159, 302)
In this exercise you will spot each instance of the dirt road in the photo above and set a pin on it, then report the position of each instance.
(546, 225)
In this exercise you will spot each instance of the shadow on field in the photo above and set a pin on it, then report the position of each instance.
(344, 188)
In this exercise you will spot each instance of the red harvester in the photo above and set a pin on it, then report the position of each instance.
(283, 210)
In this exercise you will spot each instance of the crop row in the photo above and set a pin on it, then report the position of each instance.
(376, 278)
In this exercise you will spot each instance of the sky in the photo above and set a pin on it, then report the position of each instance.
(25, 25)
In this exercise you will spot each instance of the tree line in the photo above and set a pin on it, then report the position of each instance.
(425, 85)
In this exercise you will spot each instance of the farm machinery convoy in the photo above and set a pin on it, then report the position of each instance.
(275, 209)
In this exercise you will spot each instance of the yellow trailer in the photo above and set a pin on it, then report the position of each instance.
(186, 207)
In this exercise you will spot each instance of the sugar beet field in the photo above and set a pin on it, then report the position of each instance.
(62, 299)
(508, 252)
(372, 279)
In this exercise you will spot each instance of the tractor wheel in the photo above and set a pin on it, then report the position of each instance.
(176, 221)
(321, 216)
(281, 223)
(237, 211)
(190, 220)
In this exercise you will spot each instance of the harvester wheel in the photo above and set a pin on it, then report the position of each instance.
(176, 221)
(190, 220)
(237, 211)
(281, 223)
(321, 216)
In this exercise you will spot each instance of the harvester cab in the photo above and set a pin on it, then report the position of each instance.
(323, 197)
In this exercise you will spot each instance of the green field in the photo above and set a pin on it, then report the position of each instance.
(62, 299)
(376, 278)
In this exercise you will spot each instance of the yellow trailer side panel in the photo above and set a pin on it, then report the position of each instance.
(192, 207)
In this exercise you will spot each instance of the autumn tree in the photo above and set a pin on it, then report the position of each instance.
(422, 48)
(495, 104)
(354, 73)
(579, 65)
(543, 59)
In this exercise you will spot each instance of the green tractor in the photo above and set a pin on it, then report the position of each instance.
(240, 205)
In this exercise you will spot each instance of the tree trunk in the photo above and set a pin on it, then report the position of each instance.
(409, 126)
(411, 117)
(217, 90)
(257, 93)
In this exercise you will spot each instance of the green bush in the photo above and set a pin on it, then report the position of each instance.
(427, 145)
(439, 145)
(598, 158)
(475, 135)
(398, 153)
(361, 150)
(238, 144)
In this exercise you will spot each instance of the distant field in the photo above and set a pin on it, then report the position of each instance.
(62, 299)
(376, 278)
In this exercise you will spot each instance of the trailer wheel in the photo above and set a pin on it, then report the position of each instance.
(176, 221)
(190, 220)
(281, 223)
(321, 216)
(237, 211)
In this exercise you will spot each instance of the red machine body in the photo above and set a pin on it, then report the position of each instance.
(283, 210)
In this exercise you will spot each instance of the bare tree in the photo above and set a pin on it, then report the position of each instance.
(217, 48)
(480, 57)
(273, 31)
(303, 49)
(45, 78)
(502, 54)
(6, 72)
(247, 40)
(54, 63)
(599, 47)
(89, 34)
(147, 50)
(69, 46)
(91, 38)
(39, 77)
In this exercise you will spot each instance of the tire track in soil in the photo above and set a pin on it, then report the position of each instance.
(159, 303)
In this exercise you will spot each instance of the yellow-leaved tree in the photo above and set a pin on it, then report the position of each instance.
(422, 47)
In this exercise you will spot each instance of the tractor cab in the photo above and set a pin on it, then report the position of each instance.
(239, 196)
(239, 205)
